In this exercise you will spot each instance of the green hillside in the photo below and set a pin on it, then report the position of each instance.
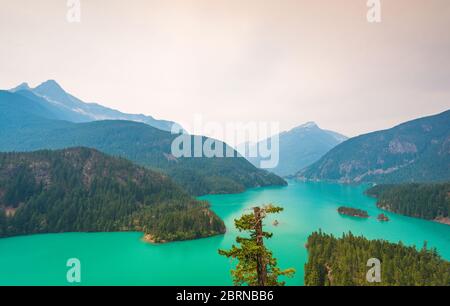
(427, 201)
(83, 190)
(343, 262)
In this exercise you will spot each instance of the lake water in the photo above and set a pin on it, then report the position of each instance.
(123, 259)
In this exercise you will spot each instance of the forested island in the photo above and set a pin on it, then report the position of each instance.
(343, 262)
(353, 212)
(83, 190)
(426, 201)
(382, 218)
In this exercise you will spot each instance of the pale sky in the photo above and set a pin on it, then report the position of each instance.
(290, 61)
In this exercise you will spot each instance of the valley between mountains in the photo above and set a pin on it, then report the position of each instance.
(85, 167)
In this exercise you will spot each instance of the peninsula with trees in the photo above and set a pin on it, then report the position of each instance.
(343, 261)
(84, 190)
(427, 201)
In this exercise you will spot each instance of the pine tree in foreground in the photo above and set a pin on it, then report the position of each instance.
(256, 266)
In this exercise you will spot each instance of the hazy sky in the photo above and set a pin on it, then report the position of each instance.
(238, 60)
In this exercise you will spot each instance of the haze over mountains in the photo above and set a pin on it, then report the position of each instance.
(67, 107)
(27, 123)
(299, 147)
(415, 151)
(47, 117)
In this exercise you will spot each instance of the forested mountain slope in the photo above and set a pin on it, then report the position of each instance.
(343, 262)
(427, 201)
(415, 151)
(83, 190)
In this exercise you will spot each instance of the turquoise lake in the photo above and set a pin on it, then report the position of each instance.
(123, 259)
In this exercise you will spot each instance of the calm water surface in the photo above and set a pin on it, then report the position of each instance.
(123, 259)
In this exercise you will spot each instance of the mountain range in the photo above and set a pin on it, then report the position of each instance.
(298, 148)
(415, 151)
(68, 107)
(29, 124)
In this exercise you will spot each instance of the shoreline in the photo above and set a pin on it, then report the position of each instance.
(146, 238)
(149, 238)
(442, 220)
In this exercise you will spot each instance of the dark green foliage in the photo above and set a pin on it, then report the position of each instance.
(19, 187)
(343, 262)
(26, 127)
(415, 151)
(246, 272)
(183, 221)
(427, 201)
(354, 212)
(382, 217)
(84, 190)
(3, 223)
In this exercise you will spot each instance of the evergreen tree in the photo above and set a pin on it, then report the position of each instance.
(256, 265)
(343, 262)
(425, 200)
(3, 224)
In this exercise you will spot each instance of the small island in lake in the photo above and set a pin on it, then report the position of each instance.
(353, 212)
(383, 218)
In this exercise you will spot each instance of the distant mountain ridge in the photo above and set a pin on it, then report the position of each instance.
(70, 108)
(300, 147)
(415, 151)
(28, 126)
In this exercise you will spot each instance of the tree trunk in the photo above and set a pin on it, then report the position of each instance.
(261, 265)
